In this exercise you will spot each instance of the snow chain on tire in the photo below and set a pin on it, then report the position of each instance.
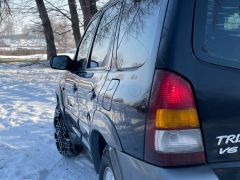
(63, 142)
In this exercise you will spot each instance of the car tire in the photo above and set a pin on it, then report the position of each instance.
(106, 169)
(64, 145)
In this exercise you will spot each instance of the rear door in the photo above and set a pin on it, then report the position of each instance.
(98, 66)
(125, 94)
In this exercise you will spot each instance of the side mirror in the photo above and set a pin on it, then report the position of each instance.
(61, 62)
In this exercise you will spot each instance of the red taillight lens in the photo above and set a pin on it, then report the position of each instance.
(172, 131)
(175, 93)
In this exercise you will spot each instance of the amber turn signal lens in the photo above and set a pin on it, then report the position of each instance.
(176, 119)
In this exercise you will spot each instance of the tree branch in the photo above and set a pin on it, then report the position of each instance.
(58, 10)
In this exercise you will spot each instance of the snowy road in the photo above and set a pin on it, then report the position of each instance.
(27, 147)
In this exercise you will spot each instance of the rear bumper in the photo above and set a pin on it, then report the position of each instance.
(132, 168)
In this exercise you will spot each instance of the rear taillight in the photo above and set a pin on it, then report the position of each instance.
(173, 136)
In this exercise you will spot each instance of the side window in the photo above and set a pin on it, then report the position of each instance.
(138, 30)
(104, 37)
(87, 41)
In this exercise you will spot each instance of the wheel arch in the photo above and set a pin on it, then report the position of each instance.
(103, 133)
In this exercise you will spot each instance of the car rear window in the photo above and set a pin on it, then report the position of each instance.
(217, 31)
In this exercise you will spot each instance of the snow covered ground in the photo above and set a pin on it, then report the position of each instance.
(27, 146)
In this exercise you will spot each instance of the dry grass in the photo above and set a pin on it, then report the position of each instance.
(21, 52)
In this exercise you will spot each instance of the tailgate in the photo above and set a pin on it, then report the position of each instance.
(217, 41)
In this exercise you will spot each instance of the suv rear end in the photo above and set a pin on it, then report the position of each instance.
(192, 127)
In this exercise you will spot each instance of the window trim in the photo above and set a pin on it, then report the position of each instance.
(95, 17)
(199, 30)
(111, 47)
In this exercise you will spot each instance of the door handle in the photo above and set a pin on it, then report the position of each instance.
(75, 88)
(93, 94)
(88, 117)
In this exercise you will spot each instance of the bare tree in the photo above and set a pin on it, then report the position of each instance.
(89, 8)
(75, 21)
(47, 28)
(63, 35)
(4, 9)
(7, 27)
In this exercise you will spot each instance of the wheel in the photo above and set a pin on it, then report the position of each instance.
(63, 142)
(106, 170)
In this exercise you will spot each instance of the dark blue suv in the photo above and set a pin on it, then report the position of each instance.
(153, 92)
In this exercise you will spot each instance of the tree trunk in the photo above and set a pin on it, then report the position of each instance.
(47, 28)
(89, 8)
(4, 9)
(75, 21)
